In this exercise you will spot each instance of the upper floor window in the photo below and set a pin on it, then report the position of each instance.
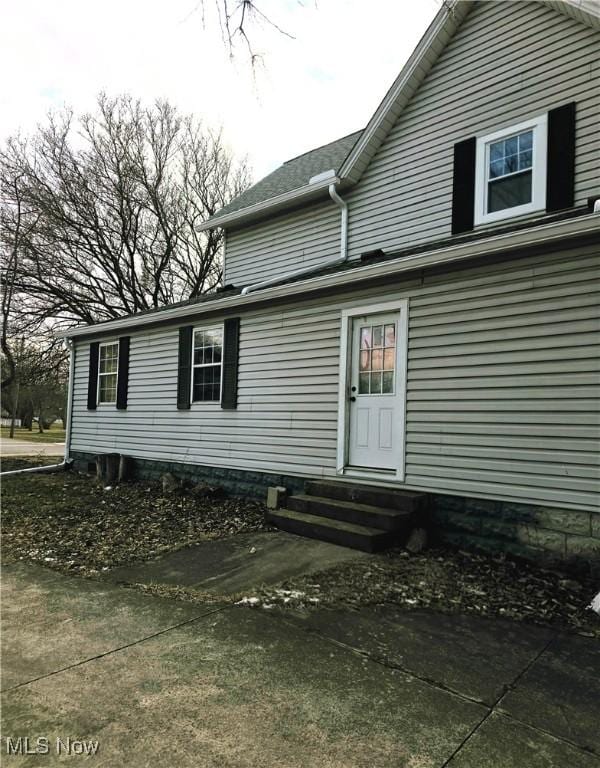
(510, 175)
(108, 372)
(206, 364)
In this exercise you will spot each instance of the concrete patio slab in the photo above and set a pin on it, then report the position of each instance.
(505, 743)
(237, 563)
(256, 688)
(474, 656)
(239, 688)
(50, 621)
(560, 693)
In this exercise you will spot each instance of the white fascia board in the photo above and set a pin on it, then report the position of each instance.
(543, 233)
(447, 20)
(301, 194)
(585, 11)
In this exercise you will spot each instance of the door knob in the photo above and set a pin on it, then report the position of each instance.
(352, 399)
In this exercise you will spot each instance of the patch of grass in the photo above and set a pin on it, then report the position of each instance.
(53, 435)
(10, 463)
(68, 522)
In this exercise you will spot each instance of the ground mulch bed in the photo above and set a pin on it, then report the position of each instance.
(69, 522)
(448, 581)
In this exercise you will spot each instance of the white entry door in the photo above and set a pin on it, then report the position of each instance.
(375, 392)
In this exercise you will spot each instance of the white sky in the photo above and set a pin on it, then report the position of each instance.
(313, 89)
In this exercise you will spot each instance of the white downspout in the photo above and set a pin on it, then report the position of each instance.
(343, 257)
(65, 463)
(71, 387)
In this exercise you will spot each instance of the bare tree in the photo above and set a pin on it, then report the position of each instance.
(109, 208)
(238, 20)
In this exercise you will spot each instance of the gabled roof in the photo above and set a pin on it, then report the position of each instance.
(349, 157)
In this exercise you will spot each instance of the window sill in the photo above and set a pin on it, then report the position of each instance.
(517, 212)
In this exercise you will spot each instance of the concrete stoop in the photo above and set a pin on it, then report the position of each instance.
(357, 516)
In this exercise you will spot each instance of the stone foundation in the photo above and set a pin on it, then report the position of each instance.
(236, 481)
(549, 535)
(553, 536)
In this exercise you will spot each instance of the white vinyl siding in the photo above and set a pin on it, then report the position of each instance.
(508, 62)
(502, 386)
(306, 238)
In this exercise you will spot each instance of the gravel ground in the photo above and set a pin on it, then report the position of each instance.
(447, 581)
(69, 522)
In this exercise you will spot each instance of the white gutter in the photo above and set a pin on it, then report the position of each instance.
(64, 464)
(343, 257)
(313, 189)
(497, 243)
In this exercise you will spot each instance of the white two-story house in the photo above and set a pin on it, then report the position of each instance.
(414, 307)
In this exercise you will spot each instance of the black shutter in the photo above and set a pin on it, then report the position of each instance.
(463, 186)
(184, 375)
(560, 178)
(93, 376)
(231, 338)
(123, 375)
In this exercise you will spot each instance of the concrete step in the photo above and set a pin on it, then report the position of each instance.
(388, 498)
(335, 531)
(351, 512)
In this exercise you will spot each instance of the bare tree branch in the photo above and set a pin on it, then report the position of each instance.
(102, 213)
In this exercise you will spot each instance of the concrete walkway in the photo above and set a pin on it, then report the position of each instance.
(163, 683)
(10, 447)
(236, 563)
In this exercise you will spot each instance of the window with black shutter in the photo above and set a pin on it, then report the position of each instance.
(518, 170)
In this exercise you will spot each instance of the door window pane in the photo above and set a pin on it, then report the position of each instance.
(390, 335)
(365, 337)
(375, 383)
(377, 354)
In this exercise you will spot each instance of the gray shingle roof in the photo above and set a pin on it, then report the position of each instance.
(295, 173)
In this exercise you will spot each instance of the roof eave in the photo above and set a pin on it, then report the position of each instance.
(301, 195)
(444, 25)
(586, 225)
(442, 28)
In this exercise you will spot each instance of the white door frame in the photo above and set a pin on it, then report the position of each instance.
(343, 429)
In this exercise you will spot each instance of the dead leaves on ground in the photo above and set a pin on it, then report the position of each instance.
(67, 521)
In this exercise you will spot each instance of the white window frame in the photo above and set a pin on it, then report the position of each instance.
(218, 327)
(107, 344)
(539, 126)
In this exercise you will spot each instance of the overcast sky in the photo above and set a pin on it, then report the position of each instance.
(321, 85)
